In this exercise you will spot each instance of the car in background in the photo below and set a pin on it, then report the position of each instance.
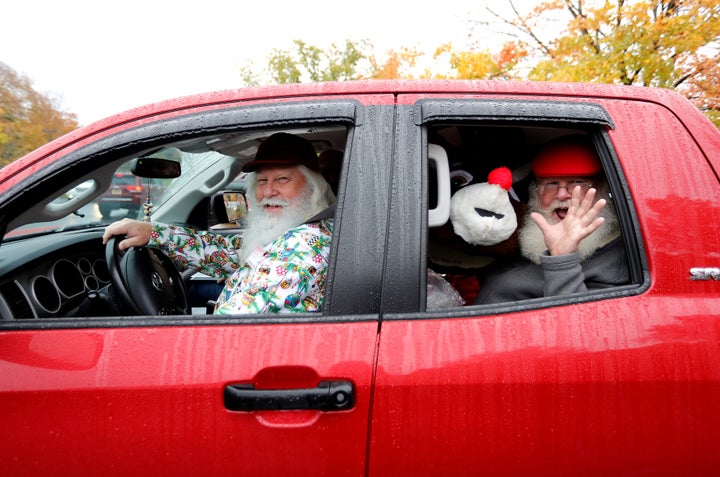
(623, 380)
(126, 192)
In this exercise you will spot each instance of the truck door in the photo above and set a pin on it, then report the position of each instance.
(255, 395)
(612, 381)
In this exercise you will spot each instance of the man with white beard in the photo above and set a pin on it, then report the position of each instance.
(570, 242)
(280, 265)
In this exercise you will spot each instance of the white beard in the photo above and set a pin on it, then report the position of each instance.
(532, 241)
(263, 227)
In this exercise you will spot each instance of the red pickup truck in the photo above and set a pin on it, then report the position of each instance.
(621, 380)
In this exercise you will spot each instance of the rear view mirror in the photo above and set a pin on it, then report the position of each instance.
(155, 168)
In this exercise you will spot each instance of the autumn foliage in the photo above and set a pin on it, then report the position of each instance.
(487, 65)
(28, 119)
(671, 44)
(662, 43)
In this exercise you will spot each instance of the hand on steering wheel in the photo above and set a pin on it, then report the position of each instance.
(145, 280)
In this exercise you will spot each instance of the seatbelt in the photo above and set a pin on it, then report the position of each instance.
(328, 213)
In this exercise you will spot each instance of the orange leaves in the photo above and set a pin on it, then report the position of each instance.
(510, 55)
(28, 119)
(669, 44)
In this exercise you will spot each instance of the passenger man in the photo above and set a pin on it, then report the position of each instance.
(280, 266)
(572, 244)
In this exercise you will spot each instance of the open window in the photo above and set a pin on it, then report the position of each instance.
(476, 144)
(227, 208)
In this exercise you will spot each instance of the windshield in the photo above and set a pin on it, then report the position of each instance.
(127, 196)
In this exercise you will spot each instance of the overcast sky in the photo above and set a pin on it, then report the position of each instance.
(99, 58)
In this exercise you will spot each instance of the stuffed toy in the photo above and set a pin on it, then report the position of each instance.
(482, 228)
(482, 214)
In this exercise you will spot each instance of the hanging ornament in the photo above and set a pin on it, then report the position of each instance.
(148, 205)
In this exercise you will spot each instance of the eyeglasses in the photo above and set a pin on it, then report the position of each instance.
(549, 188)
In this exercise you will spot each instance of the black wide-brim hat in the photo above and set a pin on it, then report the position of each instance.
(284, 149)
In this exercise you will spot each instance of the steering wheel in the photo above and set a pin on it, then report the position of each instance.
(145, 280)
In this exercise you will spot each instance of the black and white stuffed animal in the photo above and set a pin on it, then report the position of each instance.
(483, 227)
(482, 214)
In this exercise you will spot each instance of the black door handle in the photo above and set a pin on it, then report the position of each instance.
(327, 396)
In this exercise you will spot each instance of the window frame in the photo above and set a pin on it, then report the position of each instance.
(358, 277)
(590, 117)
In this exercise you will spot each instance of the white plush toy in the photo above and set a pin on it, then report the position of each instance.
(486, 219)
(482, 214)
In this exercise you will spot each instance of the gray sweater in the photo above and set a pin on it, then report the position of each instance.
(556, 275)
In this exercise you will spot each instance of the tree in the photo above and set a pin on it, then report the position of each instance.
(397, 64)
(28, 119)
(662, 43)
(484, 64)
(306, 62)
(354, 61)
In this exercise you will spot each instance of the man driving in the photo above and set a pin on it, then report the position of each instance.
(280, 265)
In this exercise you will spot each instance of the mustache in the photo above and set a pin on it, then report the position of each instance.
(547, 212)
(274, 202)
(559, 204)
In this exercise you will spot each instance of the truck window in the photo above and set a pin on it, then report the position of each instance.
(491, 250)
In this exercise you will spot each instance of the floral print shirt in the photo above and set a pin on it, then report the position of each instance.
(287, 276)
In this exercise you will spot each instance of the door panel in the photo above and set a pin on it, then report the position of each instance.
(548, 393)
(149, 396)
(155, 396)
(626, 384)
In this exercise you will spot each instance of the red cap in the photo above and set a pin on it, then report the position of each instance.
(566, 159)
(284, 149)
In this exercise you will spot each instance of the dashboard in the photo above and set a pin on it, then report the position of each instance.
(50, 276)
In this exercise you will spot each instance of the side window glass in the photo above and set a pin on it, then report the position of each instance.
(491, 250)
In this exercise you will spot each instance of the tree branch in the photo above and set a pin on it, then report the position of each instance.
(577, 12)
(521, 24)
